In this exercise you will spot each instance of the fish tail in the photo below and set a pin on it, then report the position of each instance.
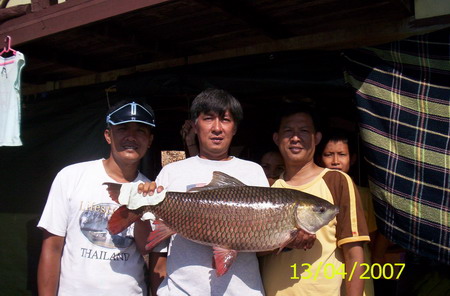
(121, 219)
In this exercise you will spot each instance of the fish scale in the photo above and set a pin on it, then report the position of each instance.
(229, 217)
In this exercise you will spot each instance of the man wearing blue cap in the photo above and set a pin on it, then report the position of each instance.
(79, 256)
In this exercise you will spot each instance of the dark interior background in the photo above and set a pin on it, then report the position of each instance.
(66, 126)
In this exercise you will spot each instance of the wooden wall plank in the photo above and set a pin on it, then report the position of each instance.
(67, 15)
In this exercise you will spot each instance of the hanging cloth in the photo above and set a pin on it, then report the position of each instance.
(10, 102)
(403, 99)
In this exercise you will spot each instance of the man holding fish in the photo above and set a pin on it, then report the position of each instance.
(337, 256)
(79, 256)
(189, 268)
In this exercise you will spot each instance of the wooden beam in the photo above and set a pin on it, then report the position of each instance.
(59, 57)
(13, 12)
(68, 15)
(138, 37)
(346, 38)
(376, 33)
(406, 6)
(37, 5)
(247, 14)
(432, 21)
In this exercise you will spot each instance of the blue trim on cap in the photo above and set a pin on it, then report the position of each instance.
(122, 115)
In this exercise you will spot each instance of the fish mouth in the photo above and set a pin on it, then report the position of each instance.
(336, 211)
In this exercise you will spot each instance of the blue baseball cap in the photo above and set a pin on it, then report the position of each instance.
(131, 112)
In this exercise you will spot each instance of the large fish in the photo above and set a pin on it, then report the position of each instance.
(229, 216)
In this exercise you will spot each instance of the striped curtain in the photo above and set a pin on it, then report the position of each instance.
(403, 101)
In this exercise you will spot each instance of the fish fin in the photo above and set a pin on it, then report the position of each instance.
(219, 180)
(121, 219)
(113, 190)
(161, 232)
(223, 258)
(288, 241)
(198, 188)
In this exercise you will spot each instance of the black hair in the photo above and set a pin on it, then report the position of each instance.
(337, 135)
(218, 101)
(288, 109)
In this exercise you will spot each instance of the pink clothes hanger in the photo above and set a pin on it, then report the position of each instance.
(7, 48)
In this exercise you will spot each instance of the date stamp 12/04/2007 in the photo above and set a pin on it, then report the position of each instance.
(330, 271)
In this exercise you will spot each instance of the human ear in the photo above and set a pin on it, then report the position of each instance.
(107, 134)
(150, 141)
(318, 137)
(275, 138)
(194, 125)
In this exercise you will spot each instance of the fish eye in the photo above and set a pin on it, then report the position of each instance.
(321, 209)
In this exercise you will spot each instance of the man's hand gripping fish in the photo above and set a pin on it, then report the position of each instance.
(225, 214)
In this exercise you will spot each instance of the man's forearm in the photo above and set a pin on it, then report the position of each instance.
(354, 257)
(50, 265)
(157, 270)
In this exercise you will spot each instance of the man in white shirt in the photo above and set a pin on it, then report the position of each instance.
(79, 256)
(188, 271)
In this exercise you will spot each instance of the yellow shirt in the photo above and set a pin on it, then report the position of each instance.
(318, 271)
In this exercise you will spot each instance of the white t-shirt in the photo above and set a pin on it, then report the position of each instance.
(10, 73)
(93, 262)
(189, 264)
